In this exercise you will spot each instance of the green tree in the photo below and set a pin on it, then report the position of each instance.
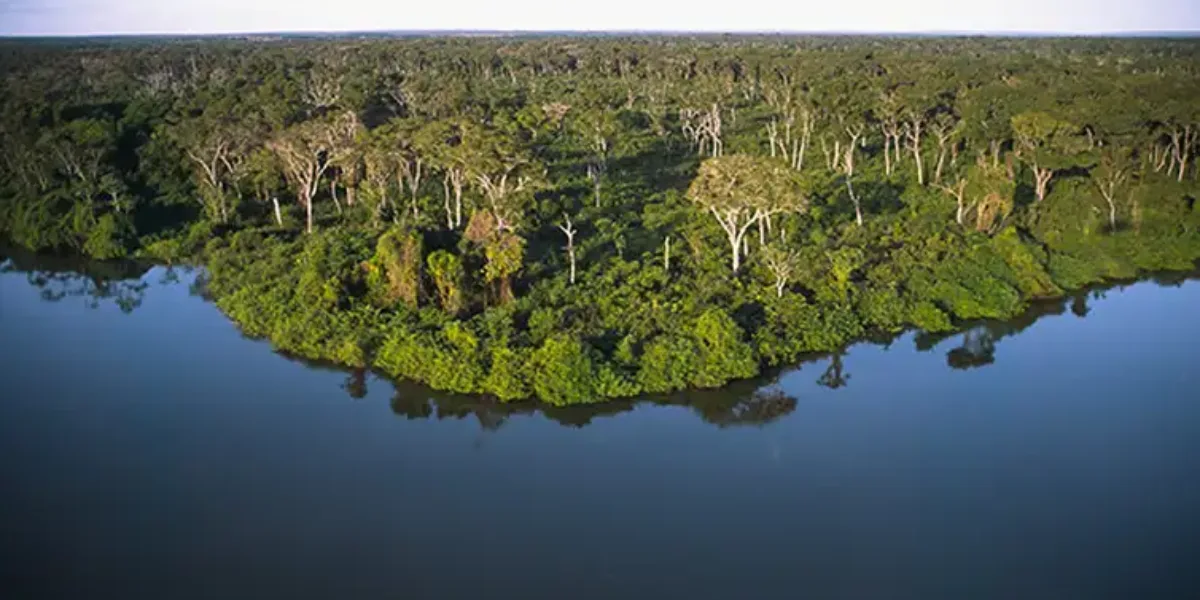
(1047, 144)
(447, 273)
(741, 191)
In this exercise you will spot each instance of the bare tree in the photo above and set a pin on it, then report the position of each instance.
(848, 171)
(1183, 138)
(703, 129)
(889, 126)
(1110, 176)
(913, 130)
(943, 128)
(569, 230)
(502, 190)
(798, 119)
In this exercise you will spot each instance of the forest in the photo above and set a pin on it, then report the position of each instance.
(579, 219)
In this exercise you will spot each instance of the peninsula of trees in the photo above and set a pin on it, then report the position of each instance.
(583, 218)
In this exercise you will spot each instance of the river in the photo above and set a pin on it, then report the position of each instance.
(148, 450)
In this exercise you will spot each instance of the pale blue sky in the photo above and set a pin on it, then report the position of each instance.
(81, 17)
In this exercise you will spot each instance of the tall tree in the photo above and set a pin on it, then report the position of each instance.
(307, 151)
(1111, 176)
(740, 191)
(1046, 144)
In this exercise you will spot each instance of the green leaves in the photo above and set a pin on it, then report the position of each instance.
(1047, 140)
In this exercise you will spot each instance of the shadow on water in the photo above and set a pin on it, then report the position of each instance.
(752, 402)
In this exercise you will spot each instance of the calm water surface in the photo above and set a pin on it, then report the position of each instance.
(147, 450)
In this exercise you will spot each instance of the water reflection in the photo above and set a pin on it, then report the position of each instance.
(750, 402)
(835, 376)
(96, 282)
(755, 402)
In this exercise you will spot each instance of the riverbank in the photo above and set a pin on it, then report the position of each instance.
(630, 327)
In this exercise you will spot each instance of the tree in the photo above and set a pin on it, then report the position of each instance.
(888, 114)
(505, 176)
(598, 128)
(503, 249)
(569, 230)
(218, 151)
(398, 256)
(441, 143)
(945, 128)
(798, 116)
(783, 262)
(1110, 176)
(261, 173)
(980, 189)
(848, 171)
(740, 191)
(1046, 144)
(447, 273)
(958, 191)
(835, 375)
(307, 150)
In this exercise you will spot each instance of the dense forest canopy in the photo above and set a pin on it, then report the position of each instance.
(590, 217)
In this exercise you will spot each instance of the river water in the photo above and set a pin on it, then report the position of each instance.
(148, 450)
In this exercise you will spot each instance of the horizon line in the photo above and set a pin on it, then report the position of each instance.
(1172, 33)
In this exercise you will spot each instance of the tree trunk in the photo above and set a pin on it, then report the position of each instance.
(1042, 180)
(308, 209)
(941, 161)
(278, 213)
(569, 230)
(887, 156)
(458, 217)
(916, 150)
(333, 194)
(735, 244)
(446, 201)
(858, 216)
(571, 255)
(505, 292)
(1183, 161)
(772, 134)
(667, 254)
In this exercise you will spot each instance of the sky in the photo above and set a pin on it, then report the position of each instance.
(90, 17)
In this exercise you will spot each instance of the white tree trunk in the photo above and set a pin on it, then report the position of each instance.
(1042, 181)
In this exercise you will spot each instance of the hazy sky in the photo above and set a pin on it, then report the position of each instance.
(75, 17)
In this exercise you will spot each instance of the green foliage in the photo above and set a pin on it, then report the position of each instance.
(506, 379)
(447, 273)
(107, 239)
(562, 372)
(667, 157)
(669, 363)
(723, 353)
(395, 270)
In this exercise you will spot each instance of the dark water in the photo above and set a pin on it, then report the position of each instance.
(147, 450)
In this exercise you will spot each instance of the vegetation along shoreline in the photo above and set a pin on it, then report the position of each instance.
(582, 219)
